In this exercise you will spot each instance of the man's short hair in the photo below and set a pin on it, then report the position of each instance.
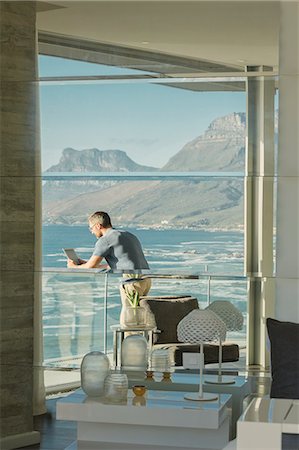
(100, 217)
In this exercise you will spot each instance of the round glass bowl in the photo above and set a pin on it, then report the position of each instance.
(160, 361)
(116, 388)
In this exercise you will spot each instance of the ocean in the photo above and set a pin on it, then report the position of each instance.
(73, 309)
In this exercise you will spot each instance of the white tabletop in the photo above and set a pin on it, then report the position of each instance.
(274, 410)
(168, 407)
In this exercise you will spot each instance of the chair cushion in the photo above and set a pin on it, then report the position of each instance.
(284, 339)
(167, 314)
(230, 352)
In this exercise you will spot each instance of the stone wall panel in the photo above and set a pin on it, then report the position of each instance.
(20, 156)
(16, 285)
(16, 199)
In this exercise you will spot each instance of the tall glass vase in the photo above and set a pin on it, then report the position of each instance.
(95, 367)
(134, 352)
(134, 317)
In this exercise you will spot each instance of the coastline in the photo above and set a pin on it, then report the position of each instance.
(156, 227)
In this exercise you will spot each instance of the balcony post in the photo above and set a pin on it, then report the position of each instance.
(259, 181)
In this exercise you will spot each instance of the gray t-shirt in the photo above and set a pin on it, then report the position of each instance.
(122, 250)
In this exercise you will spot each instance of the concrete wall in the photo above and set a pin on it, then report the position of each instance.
(287, 275)
(19, 159)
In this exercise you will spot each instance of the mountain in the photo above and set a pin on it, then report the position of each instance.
(221, 147)
(173, 204)
(88, 160)
(194, 203)
(95, 160)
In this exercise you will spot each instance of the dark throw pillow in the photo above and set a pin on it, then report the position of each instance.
(284, 339)
(168, 313)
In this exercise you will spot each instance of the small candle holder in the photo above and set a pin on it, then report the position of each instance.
(166, 376)
(149, 374)
(139, 390)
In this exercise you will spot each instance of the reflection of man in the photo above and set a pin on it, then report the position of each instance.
(70, 315)
(121, 249)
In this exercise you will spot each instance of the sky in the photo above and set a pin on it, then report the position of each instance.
(150, 122)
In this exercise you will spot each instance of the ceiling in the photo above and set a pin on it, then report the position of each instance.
(225, 32)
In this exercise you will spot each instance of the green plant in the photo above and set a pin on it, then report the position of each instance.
(133, 297)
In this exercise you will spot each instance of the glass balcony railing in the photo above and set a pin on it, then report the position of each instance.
(79, 308)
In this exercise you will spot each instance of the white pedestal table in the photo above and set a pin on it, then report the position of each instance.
(160, 420)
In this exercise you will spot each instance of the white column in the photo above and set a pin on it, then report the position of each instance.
(39, 391)
(259, 212)
(287, 273)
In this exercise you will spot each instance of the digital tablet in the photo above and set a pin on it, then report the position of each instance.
(71, 254)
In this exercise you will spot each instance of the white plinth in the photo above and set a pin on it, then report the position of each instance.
(165, 421)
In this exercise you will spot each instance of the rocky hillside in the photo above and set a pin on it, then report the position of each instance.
(88, 160)
(221, 147)
(95, 160)
(191, 203)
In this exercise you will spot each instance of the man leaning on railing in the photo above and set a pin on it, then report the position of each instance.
(121, 249)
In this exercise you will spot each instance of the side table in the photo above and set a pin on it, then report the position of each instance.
(265, 421)
(119, 335)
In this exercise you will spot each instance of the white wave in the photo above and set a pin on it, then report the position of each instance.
(175, 254)
(48, 327)
(165, 252)
(167, 245)
(197, 260)
(230, 256)
(167, 263)
(202, 242)
(86, 313)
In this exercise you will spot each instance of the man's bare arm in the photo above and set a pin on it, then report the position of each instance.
(92, 263)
